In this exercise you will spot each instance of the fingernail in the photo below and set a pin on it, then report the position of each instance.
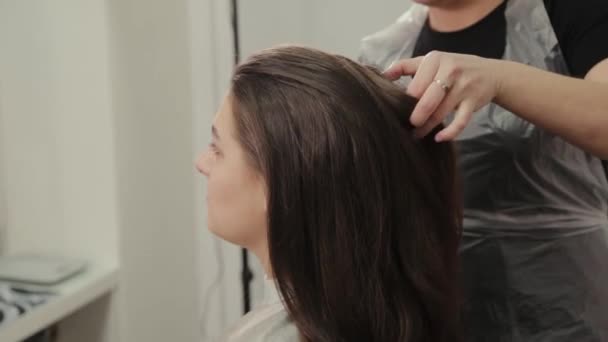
(438, 138)
(389, 67)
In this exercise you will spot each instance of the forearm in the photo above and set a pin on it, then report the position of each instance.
(576, 110)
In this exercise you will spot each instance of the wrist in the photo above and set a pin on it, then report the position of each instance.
(501, 70)
(505, 73)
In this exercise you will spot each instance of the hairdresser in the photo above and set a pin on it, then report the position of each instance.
(523, 88)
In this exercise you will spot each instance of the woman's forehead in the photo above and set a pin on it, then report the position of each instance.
(223, 123)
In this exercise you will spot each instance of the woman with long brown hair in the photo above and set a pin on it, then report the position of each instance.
(314, 168)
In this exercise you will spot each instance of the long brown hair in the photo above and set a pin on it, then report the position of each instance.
(364, 220)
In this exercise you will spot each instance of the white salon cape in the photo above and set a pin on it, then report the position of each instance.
(267, 322)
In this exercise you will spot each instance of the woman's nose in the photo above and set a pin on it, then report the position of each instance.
(202, 163)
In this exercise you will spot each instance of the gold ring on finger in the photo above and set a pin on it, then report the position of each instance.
(443, 85)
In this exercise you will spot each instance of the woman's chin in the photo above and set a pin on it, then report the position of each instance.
(223, 235)
(213, 230)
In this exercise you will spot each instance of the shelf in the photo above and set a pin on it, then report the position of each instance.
(72, 295)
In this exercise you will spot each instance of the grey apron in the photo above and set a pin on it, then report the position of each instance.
(535, 242)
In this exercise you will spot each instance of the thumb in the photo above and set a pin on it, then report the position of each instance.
(404, 67)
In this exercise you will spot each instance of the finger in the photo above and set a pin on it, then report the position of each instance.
(427, 105)
(424, 77)
(447, 106)
(437, 90)
(404, 67)
(433, 122)
(461, 119)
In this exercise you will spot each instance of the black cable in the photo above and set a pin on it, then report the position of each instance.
(247, 277)
(246, 274)
(235, 31)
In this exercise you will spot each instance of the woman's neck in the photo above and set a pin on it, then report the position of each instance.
(261, 253)
(460, 15)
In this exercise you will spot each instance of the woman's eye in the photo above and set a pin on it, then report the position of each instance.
(214, 149)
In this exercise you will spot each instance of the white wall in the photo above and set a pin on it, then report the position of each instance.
(98, 150)
(57, 136)
(57, 128)
(333, 25)
(152, 93)
(3, 209)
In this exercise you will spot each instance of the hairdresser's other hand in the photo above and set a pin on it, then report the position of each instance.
(446, 83)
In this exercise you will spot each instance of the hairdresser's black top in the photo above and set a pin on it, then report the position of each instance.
(582, 34)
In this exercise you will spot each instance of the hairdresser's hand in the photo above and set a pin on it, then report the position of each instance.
(445, 83)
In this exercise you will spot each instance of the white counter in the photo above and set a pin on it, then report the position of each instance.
(71, 295)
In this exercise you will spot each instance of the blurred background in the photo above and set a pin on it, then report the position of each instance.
(104, 105)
